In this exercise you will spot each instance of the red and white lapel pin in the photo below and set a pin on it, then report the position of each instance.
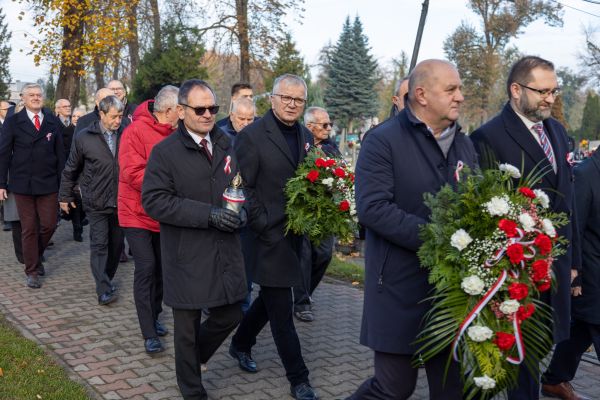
(227, 168)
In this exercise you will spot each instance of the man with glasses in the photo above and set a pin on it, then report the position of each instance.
(269, 151)
(524, 134)
(202, 262)
(119, 90)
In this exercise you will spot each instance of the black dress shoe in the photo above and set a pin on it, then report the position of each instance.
(153, 345)
(304, 316)
(77, 236)
(106, 298)
(304, 391)
(33, 282)
(160, 329)
(113, 287)
(245, 360)
(7, 227)
(41, 271)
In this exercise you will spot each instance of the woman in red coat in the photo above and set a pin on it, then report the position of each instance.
(153, 121)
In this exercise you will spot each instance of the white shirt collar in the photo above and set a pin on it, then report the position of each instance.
(31, 115)
(198, 138)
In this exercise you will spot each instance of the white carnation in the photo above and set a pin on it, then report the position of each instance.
(509, 306)
(460, 239)
(327, 181)
(480, 333)
(548, 227)
(472, 285)
(542, 198)
(510, 170)
(485, 382)
(497, 206)
(527, 222)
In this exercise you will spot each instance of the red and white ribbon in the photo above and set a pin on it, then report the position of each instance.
(227, 168)
(518, 342)
(459, 166)
(528, 246)
(306, 147)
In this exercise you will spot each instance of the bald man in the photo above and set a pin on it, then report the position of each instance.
(88, 119)
(425, 139)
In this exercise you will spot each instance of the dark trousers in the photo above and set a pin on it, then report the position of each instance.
(567, 354)
(77, 213)
(314, 263)
(106, 244)
(38, 218)
(147, 277)
(18, 242)
(196, 342)
(395, 379)
(248, 239)
(274, 305)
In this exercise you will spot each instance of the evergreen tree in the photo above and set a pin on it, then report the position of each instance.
(50, 92)
(590, 124)
(5, 50)
(350, 93)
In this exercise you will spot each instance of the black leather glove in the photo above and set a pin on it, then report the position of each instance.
(224, 219)
(243, 217)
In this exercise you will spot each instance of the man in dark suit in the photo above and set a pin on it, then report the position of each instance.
(5, 107)
(425, 139)
(239, 91)
(31, 150)
(524, 134)
(269, 151)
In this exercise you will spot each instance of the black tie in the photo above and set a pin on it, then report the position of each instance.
(204, 144)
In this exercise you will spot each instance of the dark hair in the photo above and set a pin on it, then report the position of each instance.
(187, 86)
(520, 72)
(239, 86)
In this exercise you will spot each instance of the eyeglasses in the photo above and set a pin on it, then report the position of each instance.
(324, 125)
(117, 89)
(201, 110)
(542, 92)
(288, 99)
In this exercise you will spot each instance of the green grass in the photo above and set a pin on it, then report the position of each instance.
(27, 373)
(346, 271)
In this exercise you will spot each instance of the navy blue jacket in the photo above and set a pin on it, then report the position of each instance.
(509, 141)
(399, 162)
(34, 159)
(227, 127)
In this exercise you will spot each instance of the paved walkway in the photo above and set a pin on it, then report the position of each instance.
(102, 348)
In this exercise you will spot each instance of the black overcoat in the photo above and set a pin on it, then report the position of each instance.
(202, 266)
(35, 158)
(399, 162)
(587, 202)
(266, 164)
(509, 141)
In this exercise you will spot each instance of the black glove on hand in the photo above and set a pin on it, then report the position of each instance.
(224, 219)
(243, 217)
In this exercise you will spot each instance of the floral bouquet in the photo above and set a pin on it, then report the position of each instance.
(321, 198)
(489, 248)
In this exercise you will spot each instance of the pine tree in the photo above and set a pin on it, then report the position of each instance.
(5, 50)
(590, 124)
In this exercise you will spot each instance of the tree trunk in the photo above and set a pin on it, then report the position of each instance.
(133, 43)
(99, 74)
(156, 43)
(68, 83)
(241, 8)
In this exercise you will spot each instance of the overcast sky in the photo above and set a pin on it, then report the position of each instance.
(390, 25)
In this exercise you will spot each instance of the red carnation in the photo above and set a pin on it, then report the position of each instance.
(504, 341)
(515, 253)
(509, 227)
(525, 191)
(518, 291)
(539, 270)
(344, 205)
(320, 163)
(313, 175)
(339, 172)
(544, 285)
(351, 176)
(544, 243)
(330, 162)
(525, 311)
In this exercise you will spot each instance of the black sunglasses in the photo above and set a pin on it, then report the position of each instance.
(201, 110)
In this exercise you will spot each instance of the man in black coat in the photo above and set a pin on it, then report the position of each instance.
(202, 261)
(416, 152)
(31, 150)
(524, 134)
(119, 90)
(269, 151)
(89, 118)
(585, 305)
(94, 164)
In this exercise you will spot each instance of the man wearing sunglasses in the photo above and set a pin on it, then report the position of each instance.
(269, 151)
(524, 134)
(202, 262)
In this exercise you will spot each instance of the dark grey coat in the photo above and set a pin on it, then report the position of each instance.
(202, 266)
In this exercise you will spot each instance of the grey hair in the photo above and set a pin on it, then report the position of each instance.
(290, 79)
(80, 109)
(309, 115)
(110, 102)
(60, 101)
(244, 103)
(398, 84)
(30, 86)
(166, 98)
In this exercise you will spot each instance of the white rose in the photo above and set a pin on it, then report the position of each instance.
(548, 227)
(509, 306)
(497, 206)
(542, 198)
(480, 333)
(460, 239)
(527, 222)
(510, 170)
(485, 382)
(327, 181)
(472, 285)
